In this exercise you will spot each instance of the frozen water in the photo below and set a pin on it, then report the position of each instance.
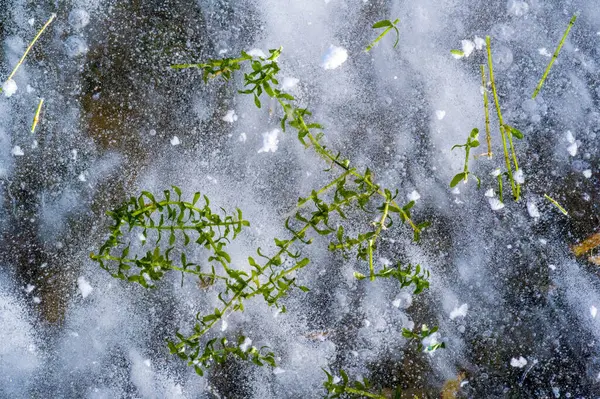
(79, 18)
(334, 57)
(270, 141)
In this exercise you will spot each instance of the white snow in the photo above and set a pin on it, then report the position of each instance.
(460, 311)
(543, 51)
(490, 193)
(31, 21)
(587, 173)
(572, 149)
(520, 362)
(593, 311)
(270, 141)
(81, 177)
(455, 191)
(289, 83)
(37, 300)
(479, 43)
(9, 87)
(246, 344)
(533, 209)
(242, 137)
(496, 172)
(84, 287)
(175, 141)
(17, 151)
(224, 325)
(256, 52)
(518, 8)
(334, 57)
(440, 114)
(414, 196)
(230, 116)
(569, 137)
(278, 370)
(519, 177)
(29, 288)
(467, 47)
(495, 204)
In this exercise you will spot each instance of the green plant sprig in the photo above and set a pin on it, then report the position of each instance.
(345, 388)
(554, 56)
(389, 25)
(262, 80)
(556, 204)
(488, 135)
(506, 131)
(472, 142)
(420, 335)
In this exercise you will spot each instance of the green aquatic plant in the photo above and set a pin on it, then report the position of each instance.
(554, 57)
(388, 25)
(472, 142)
(342, 387)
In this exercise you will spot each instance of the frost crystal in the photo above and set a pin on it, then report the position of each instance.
(84, 287)
(270, 141)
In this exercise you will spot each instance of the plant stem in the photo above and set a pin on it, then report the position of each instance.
(36, 117)
(500, 119)
(382, 35)
(380, 227)
(560, 208)
(554, 56)
(488, 135)
(35, 39)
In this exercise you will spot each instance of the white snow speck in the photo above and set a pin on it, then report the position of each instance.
(414, 196)
(9, 88)
(36, 300)
(495, 204)
(461, 311)
(569, 137)
(224, 325)
(141, 237)
(593, 311)
(517, 8)
(479, 43)
(467, 47)
(572, 149)
(490, 193)
(270, 141)
(148, 363)
(17, 151)
(223, 51)
(587, 173)
(230, 116)
(242, 138)
(552, 267)
(455, 191)
(289, 83)
(533, 209)
(256, 52)
(520, 362)
(31, 21)
(81, 177)
(246, 344)
(440, 114)
(84, 287)
(366, 323)
(175, 141)
(544, 52)
(519, 177)
(29, 288)
(278, 370)
(496, 172)
(334, 57)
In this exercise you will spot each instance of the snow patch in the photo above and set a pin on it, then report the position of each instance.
(532, 209)
(9, 88)
(289, 83)
(84, 287)
(17, 151)
(520, 362)
(439, 114)
(460, 311)
(334, 57)
(414, 196)
(495, 204)
(230, 116)
(270, 141)
(175, 141)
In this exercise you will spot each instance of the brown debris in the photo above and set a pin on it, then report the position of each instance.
(595, 260)
(588, 244)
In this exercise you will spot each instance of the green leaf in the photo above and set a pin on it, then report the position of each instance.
(256, 101)
(303, 288)
(359, 276)
(459, 53)
(458, 178)
(382, 24)
(474, 144)
(515, 132)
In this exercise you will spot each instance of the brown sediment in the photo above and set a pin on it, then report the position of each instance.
(587, 245)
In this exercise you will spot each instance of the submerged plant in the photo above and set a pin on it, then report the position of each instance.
(472, 142)
(338, 387)
(389, 25)
(554, 56)
(323, 213)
